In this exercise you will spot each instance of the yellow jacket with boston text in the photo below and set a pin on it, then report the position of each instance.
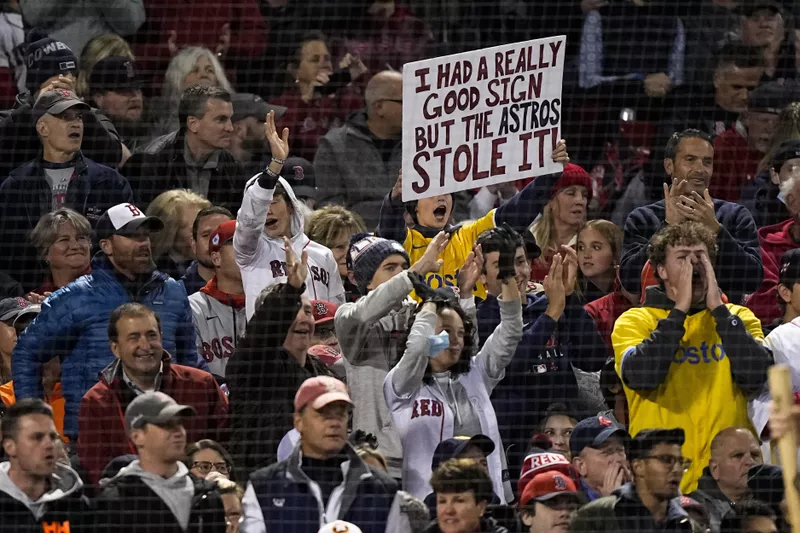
(518, 212)
(692, 371)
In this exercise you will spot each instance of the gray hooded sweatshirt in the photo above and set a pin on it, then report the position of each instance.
(176, 492)
(65, 481)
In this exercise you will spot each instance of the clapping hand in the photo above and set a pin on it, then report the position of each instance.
(296, 270)
(554, 289)
(470, 272)
(699, 209)
(570, 269)
(672, 195)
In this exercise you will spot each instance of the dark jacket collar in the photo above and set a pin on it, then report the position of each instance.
(630, 498)
(656, 297)
(35, 169)
(710, 487)
(356, 471)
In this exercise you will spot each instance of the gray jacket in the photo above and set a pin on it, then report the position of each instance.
(78, 21)
(351, 172)
(368, 332)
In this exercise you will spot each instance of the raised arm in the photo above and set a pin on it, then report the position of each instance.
(407, 376)
(523, 208)
(392, 221)
(258, 194)
(501, 345)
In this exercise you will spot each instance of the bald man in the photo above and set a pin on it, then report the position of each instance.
(734, 451)
(357, 163)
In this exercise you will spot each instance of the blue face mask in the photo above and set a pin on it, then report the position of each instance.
(438, 343)
(781, 198)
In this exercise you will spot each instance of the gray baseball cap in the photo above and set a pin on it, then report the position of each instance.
(154, 408)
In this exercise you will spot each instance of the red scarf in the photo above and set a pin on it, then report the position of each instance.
(234, 300)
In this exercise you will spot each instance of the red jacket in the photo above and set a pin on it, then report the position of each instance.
(198, 23)
(605, 311)
(102, 435)
(775, 241)
(735, 164)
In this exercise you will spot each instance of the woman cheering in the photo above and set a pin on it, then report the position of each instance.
(440, 390)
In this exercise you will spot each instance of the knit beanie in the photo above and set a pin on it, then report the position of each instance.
(573, 175)
(365, 255)
(45, 57)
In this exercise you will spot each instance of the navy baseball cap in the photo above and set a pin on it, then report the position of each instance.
(452, 448)
(593, 433)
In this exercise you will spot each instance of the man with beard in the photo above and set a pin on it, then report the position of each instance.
(684, 338)
(73, 324)
(247, 141)
(201, 270)
(651, 502)
(115, 89)
(689, 161)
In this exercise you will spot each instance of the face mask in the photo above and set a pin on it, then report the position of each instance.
(781, 198)
(438, 343)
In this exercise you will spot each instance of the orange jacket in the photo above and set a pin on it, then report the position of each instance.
(56, 401)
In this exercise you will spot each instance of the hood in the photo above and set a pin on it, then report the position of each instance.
(298, 223)
(777, 234)
(232, 300)
(65, 481)
(358, 120)
(655, 297)
(134, 469)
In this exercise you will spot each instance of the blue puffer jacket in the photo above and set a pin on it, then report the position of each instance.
(73, 325)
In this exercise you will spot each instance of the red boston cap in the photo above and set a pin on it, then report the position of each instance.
(222, 235)
(319, 392)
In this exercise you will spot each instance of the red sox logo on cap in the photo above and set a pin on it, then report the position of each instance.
(215, 240)
(22, 302)
(322, 309)
(64, 92)
(560, 483)
(299, 173)
(605, 421)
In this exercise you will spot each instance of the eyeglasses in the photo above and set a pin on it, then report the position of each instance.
(325, 332)
(671, 460)
(395, 100)
(206, 466)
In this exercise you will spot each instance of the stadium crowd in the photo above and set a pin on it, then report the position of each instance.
(217, 313)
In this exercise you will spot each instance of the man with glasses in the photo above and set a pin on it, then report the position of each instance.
(686, 358)
(652, 501)
(368, 145)
(156, 490)
(597, 447)
(142, 365)
(61, 176)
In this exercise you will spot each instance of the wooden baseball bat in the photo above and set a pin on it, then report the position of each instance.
(780, 387)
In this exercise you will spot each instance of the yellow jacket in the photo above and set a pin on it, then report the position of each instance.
(462, 241)
(690, 371)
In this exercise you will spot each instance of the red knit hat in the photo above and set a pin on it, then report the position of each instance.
(573, 175)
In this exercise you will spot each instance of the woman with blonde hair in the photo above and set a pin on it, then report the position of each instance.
(194, 65)
(62, 240)
(172, 247)
(562, 217)
(101, 47)
(332, 226)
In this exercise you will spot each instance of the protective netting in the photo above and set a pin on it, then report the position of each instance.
(235, 322)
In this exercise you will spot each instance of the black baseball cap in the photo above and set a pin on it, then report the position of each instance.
(593, 433)
(786, 151)
(124, 219)
(749, 7)
(790, 268)
(773, 96)
(154, 408)
(11, 309)
(299, 173)
(452, 448)
(56, 102)
(251, 105)
(114, 73)
(642, 444)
